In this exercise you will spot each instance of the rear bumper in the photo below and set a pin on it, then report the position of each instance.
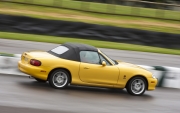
(152, 82)
(33, 71)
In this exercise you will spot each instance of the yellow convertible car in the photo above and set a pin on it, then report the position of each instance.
(81, 64)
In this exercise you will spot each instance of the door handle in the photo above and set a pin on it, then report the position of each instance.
(86, 68)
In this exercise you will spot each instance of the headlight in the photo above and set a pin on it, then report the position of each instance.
(153, 76)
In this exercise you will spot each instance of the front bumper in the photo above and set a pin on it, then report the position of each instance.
(152, 83)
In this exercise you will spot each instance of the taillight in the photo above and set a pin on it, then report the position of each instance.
(35, 62)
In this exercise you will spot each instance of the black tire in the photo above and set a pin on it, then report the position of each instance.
(141, 85)
(39, 80)
(58, 76)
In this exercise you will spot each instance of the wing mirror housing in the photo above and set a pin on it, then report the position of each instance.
(118, 61)
(103, 63)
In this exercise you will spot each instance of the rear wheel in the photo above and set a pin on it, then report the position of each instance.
(59, 79)
(136, 86)
(39, 80)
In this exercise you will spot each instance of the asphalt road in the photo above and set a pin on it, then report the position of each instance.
(19, 94)
(140, 58)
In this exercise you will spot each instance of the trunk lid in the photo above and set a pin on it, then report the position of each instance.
(27, 56)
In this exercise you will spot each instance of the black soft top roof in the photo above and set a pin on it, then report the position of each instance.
(74, 50)
(80, 46)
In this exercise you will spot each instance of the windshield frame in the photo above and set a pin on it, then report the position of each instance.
(114, 62)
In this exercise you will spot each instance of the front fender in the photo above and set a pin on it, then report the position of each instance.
(126, 73)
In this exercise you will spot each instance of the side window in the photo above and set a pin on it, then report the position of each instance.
(103, 59)
(89, 57)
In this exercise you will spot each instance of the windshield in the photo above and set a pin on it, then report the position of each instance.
(113, 61)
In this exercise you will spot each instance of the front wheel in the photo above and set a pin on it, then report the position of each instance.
(59, 78)
(136, 86)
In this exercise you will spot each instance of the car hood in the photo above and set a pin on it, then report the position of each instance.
(128, 65)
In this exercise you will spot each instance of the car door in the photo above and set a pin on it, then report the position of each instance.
(91, 70)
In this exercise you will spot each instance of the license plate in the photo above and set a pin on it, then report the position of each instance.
(26, 59)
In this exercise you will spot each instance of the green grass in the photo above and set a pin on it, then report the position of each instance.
(6, 54)
(106, 8)
(99, 44)
(52, 13)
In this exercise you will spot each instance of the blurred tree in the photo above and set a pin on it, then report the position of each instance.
(155, 0)
(163, 1)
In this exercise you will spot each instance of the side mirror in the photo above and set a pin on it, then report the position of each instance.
(103, 63)
(118, 60)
